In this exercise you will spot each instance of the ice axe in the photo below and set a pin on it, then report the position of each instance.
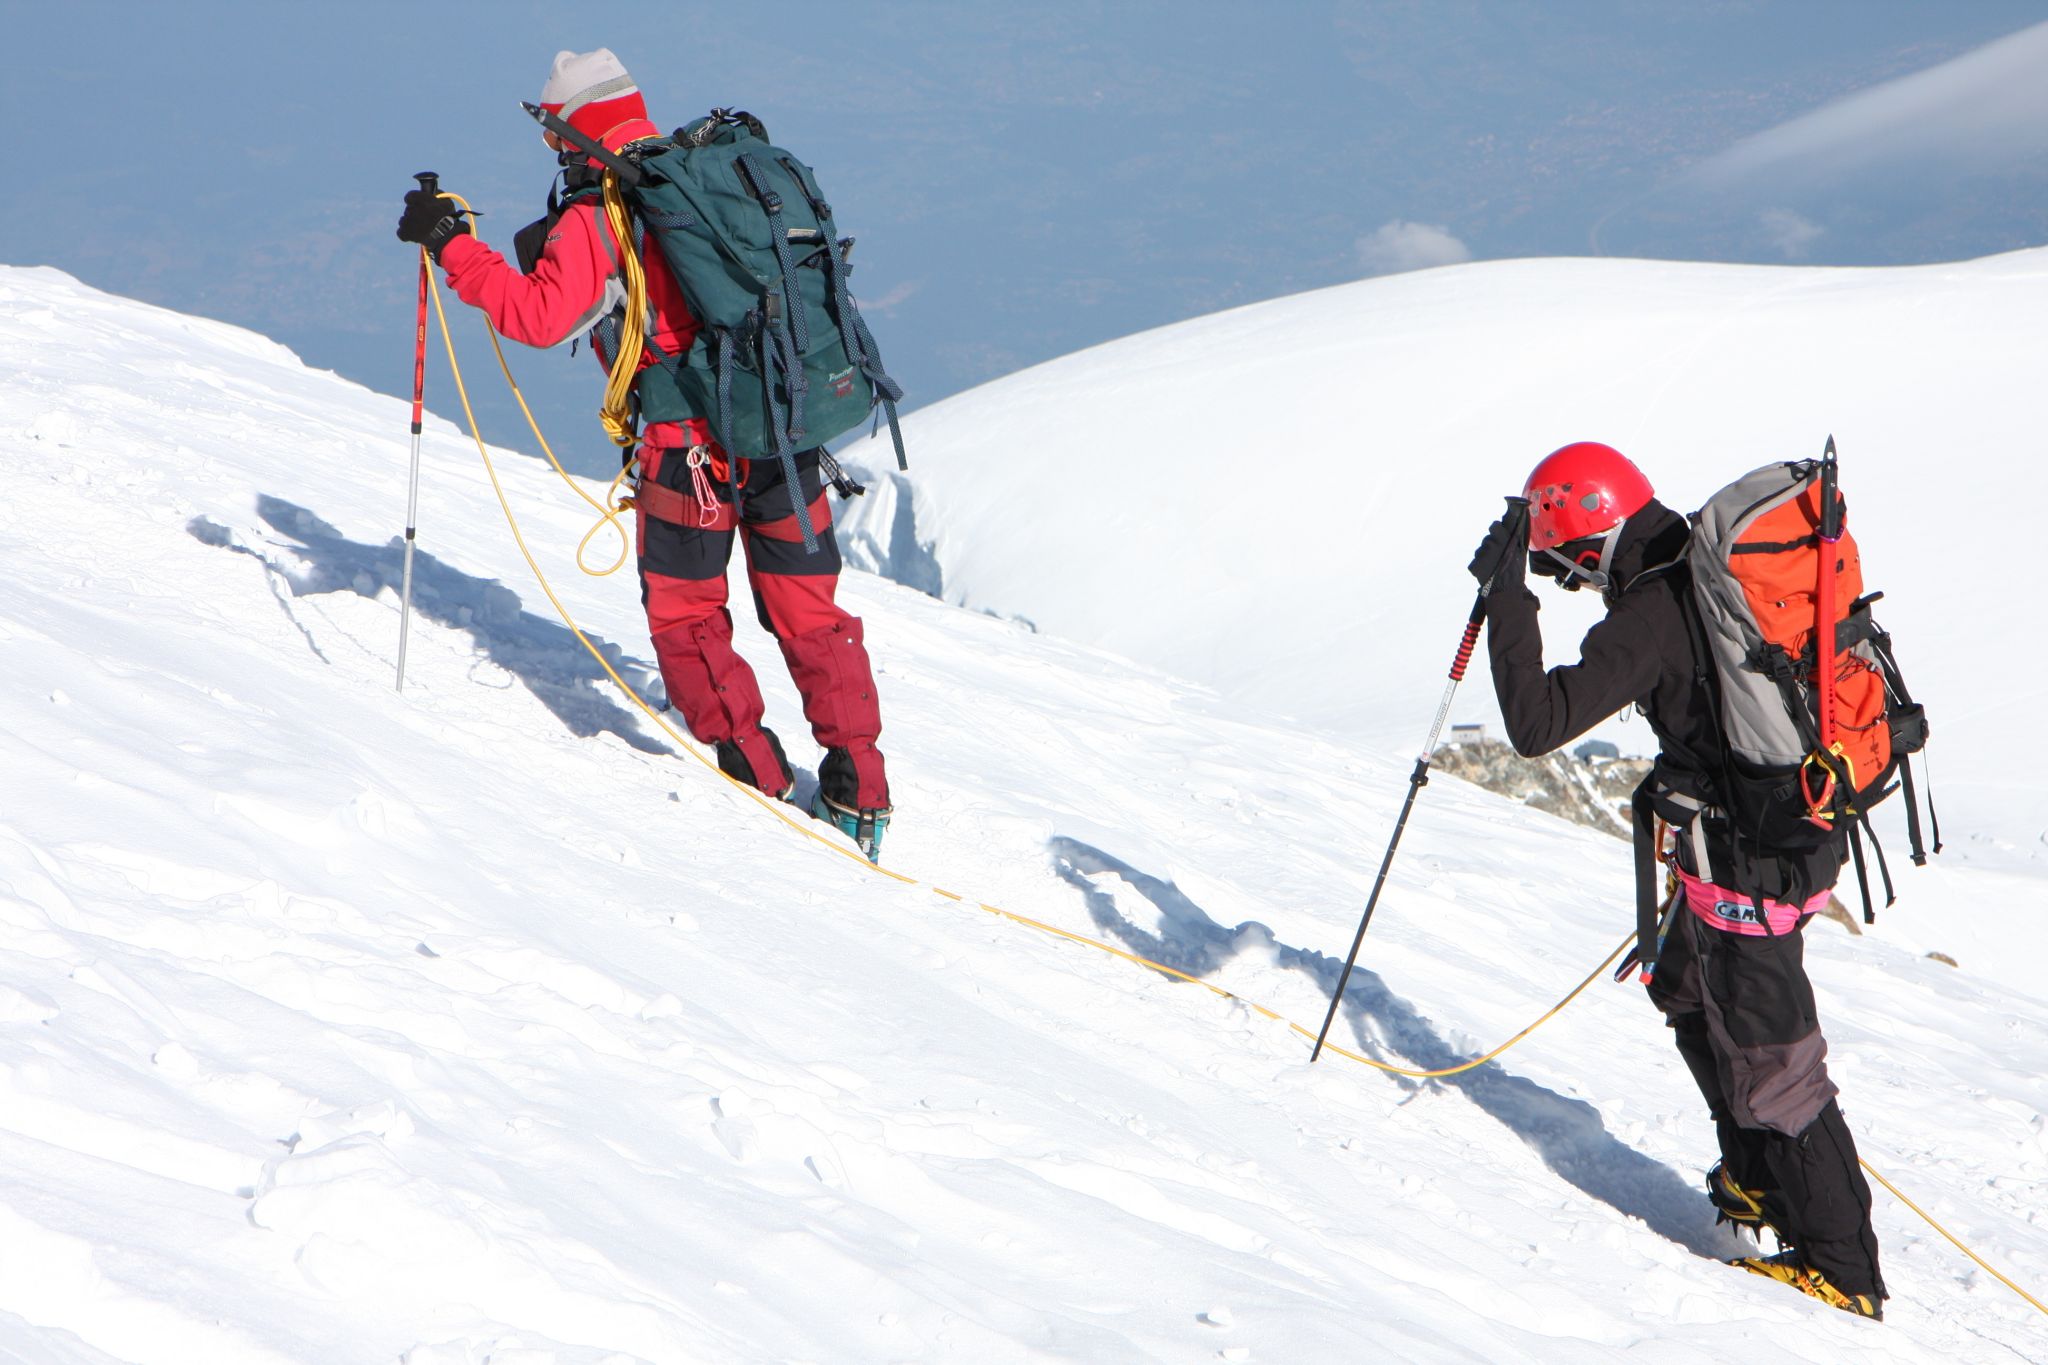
(627, 172)
(1518, 540)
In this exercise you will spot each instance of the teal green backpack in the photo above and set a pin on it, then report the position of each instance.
(783, 360)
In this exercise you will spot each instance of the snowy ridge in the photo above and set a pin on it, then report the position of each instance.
(1280, 500)
(471, 1025)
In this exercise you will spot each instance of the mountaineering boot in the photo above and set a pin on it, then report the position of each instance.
(1787, 1268)
(1734, 1204)
(838, 803)
(864, 827)
(758, 761)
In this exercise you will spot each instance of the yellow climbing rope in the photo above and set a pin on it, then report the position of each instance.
(608, 510)
(780, 810)
(1926, 1218)
(1257, 1008)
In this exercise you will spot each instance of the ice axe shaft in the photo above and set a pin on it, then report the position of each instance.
(627, 172)
(1518, 516)
(1830, 531)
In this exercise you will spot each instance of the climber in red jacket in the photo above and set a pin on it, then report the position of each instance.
(691, 501)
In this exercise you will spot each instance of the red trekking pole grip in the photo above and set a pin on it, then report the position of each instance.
(1466, 645)
(430, 182)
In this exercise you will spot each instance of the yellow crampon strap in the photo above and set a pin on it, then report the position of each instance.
(617, 412)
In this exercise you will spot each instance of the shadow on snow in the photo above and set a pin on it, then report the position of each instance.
(542, 654)
(1569, 1135)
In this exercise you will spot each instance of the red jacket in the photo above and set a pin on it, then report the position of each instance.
(576, 283)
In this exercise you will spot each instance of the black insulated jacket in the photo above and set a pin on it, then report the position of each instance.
(1644, 652)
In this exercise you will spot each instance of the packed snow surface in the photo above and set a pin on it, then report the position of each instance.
(1280, 500)
(476, 1023)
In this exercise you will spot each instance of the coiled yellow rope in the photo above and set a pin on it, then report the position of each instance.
(617, 414)
(780, 810)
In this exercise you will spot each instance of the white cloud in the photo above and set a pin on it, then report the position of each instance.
(886, 304)
(1983, 110)
(1790, 233)
(1402, 245)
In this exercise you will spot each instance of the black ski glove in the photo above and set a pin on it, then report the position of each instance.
(430, 221)
(1502, 560)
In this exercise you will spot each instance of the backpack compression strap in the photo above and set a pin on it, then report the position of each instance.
(778, 352)
(784, 337)
(853, 328)
(1908, 719)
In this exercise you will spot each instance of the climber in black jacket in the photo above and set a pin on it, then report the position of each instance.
(1729, 974)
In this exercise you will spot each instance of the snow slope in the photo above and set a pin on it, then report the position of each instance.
(1280, 500)
(471, 1025)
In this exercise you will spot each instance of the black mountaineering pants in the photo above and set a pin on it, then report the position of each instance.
(1742, 1010)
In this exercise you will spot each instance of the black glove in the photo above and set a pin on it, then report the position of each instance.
(1502, 558)
(429, 220)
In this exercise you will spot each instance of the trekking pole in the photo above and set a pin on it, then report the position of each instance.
(430, 183)
(1518, 520)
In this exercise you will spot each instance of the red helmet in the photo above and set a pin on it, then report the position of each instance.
(1583, 489)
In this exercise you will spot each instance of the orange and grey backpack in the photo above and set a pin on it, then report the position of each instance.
(1816, 722)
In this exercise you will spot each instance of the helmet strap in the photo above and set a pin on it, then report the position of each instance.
(1601, 577)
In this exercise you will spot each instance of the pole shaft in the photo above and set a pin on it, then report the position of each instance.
(1415, 784)
(1417, 780)
(1517, 516)
(412, 497)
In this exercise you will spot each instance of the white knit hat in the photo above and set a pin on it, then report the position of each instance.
(595, 86)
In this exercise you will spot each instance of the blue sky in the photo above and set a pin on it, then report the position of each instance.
(1024, 181)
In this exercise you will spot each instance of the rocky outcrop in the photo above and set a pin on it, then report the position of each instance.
(1585, 792)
